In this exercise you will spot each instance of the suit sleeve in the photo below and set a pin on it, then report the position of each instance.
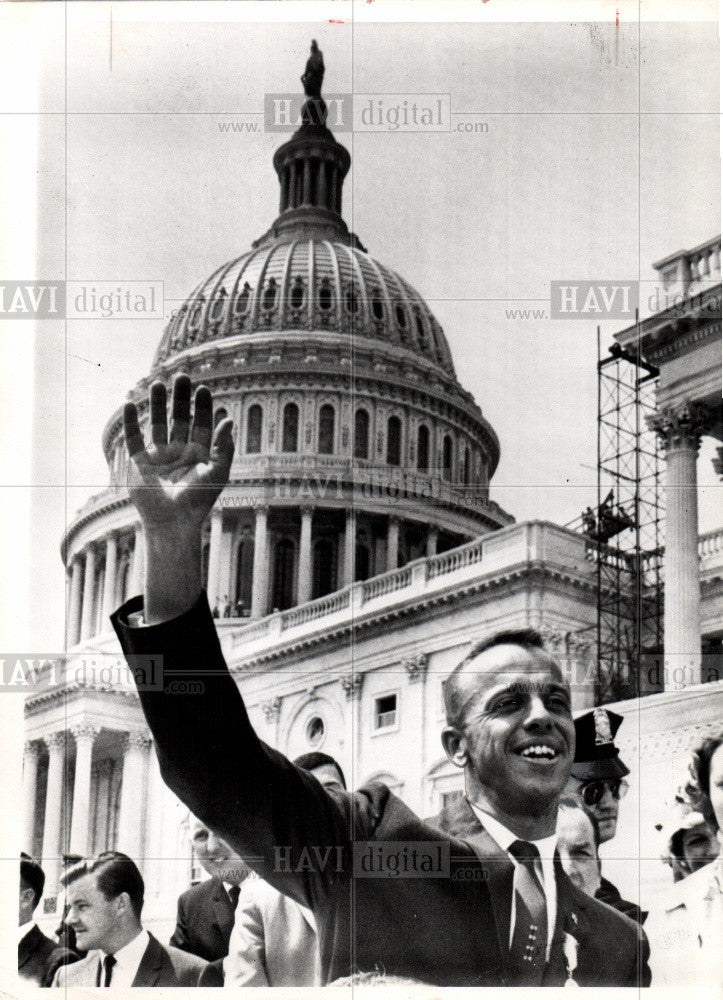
(180, 937)
(245, 965)
(212, 759)
(58, 958)
(640, 974)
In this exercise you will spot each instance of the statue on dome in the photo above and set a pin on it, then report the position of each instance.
(314, 73)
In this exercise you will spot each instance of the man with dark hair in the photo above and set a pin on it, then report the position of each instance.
(496, 907)
(205, 913)
(39, 957)
(105, 901)
(324, 768)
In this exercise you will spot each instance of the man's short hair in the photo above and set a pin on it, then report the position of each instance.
(310, 762)
(454, 702)
(32, 876)
(569, 803)
(698, 789)
(115, 873)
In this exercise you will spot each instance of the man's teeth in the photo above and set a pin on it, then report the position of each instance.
(539, 751)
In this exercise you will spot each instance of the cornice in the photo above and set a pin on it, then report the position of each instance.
(522, 574)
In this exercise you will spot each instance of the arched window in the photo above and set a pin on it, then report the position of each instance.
(361, 434)
(242, 302)
(466, 468)
(254, 426)
(324, 575)
(284, 574)
(205, 554)
(377, 305)
(269, 300)
(401, 316)
(290, 435)
(362, 563)
(296, 295)
(447, 458)
(326, 430)
(394, 441)
(326, 299)
(218, 304)
(423, 448)
(352, 299)
(219, 415)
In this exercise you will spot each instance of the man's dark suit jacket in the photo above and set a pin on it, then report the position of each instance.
(39, 957)
(451, 930)
(159, 967)
(205, 920)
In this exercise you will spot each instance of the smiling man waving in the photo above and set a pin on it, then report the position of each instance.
(488, 907)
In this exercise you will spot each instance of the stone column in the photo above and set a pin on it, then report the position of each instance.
(393, 543)
(130, 821)
(80, 820)
(680, 431)
(284, 189)
(432, 534)
(349, 546)
(86, 627)
(72, 637)
(138, 569)
(30, 793)
(214, 556)
(111, 566)
(259, 586)
(53, 811)
(304, 585)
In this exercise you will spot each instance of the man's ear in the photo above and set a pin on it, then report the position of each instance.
(123, 903)
(455, 745)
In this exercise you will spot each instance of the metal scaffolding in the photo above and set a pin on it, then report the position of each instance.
(625, 530)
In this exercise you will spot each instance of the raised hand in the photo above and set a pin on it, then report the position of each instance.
(175, 480)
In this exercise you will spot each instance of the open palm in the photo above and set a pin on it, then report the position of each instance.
(176, 479)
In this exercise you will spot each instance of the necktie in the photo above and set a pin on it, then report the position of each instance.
(529, 939)
(108, 963)
(233, 894)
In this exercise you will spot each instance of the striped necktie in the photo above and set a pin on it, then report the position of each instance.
(529, 939)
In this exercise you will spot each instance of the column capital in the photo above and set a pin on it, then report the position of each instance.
(307, 510)
(271, 709)
(681, 426)
(261, 508)
(55, 742)
(352, 685)
(84, 732)
(718, 463)
(31, 748)
(416, 667)
(136, 741)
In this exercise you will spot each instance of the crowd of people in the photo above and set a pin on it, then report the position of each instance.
(502, 888)
(235, 929)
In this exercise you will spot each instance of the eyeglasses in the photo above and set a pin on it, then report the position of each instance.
(593, 791)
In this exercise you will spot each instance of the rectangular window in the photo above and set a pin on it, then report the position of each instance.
(385, 712)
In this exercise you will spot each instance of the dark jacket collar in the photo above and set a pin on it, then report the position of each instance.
(151, 964)
(29, 943)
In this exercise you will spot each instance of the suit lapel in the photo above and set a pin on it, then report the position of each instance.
(222, 910)
(572, 921)
(500, 875)
(151, 964)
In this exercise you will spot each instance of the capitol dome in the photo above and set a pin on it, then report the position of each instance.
(357, 450)
(303, 282)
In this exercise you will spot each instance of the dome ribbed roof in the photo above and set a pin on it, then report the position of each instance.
(307, 283)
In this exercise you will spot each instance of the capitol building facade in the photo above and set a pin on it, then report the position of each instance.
(353, 558)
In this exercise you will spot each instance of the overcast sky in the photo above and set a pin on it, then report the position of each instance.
(601, 156)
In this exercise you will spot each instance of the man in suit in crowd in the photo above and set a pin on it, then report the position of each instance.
(597, 780)
(105, 897)
(206, 910)
(39, 957)
(492, 909)
(274, 942)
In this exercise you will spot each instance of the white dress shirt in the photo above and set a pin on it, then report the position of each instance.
(545, 867)
(24, 929)
(127, 961)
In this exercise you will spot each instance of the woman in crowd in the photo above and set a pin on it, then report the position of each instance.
(686, 933)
